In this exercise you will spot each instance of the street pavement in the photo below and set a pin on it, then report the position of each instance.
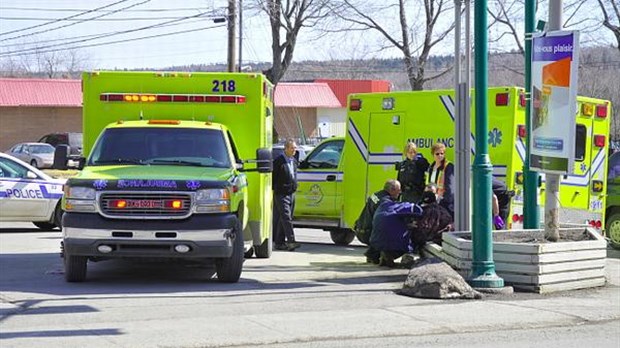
(322, 295)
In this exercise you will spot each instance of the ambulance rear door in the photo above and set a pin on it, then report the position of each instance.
(385, 147)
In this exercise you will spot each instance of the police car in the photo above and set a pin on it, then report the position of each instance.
(28, 194)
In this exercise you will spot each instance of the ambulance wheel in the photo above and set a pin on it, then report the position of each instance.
(342, 236)
(34, 163)
(613, 229)
(75, 268)
(229, 269)
(264, 250)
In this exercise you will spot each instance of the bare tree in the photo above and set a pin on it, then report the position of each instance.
(288, 17)
(608, 19)
(415, 41)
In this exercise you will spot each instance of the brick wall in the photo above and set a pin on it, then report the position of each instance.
(21, 124)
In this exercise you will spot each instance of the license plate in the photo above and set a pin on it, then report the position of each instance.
(144, 203)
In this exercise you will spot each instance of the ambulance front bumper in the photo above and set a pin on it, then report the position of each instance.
(194, 238)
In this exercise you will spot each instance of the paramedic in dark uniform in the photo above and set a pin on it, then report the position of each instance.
(411, 174)
(284, 187)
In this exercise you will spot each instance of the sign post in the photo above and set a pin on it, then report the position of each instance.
(555, 60)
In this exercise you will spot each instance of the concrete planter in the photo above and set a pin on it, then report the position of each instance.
(527, 262)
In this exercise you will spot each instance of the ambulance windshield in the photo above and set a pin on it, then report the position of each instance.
(161, 146)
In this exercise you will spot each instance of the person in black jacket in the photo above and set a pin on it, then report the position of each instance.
(411, 174)
(284, 187)
(363, 224)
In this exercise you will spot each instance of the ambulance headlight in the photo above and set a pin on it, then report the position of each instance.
(212, 201)
(78, 192)
(79, 199)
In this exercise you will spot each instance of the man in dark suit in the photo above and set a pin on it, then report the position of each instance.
(284, 187)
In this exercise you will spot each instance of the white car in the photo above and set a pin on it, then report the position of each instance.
(28, 194)
(39, 155)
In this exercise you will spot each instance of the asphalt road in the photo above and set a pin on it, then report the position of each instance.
(319, 296)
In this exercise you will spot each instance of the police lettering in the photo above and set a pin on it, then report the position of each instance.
(24, 193)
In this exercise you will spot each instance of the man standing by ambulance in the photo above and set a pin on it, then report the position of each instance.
(284, 187)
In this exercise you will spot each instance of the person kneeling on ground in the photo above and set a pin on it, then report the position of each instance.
(390, 234)
(363, 224)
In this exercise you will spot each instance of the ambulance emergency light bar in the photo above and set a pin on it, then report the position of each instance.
(171, 98)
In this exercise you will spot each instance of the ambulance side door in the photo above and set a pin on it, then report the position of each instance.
(319, 177)
(20, 192)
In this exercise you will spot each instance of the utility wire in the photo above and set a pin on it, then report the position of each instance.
(37, 49)
(92, 35)
(94, 10)
(115, 42)
(71, 24)
(61, 19)
(94, 20)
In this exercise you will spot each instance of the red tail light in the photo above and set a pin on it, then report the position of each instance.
(522, 101)
(356, 105)
(598, 224)
(502, 99)
(521, 131)
(601, 111)
(599, 140)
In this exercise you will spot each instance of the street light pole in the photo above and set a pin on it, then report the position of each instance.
(482, 268)
(232, 19)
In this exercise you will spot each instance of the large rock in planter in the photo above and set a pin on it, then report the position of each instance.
(433, 278)
(526, 261)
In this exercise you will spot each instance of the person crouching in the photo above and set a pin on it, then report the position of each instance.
(390, 233)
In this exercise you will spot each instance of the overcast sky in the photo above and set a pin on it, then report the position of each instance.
(161, 33)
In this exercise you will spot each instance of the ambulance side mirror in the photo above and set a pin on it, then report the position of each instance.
(303, 165)
(81, 163)
(264, 163)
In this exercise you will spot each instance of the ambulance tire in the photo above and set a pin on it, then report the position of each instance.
(343, 236)
(264, 250)
(229, 269)
(75, 268)
(613, 229)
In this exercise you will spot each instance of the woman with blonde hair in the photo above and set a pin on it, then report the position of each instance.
(441, 173)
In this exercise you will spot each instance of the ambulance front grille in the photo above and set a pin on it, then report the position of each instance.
(145, 205)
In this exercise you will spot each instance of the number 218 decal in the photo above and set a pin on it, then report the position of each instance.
(223, 86)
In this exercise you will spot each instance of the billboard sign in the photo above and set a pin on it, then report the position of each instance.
(555, 59)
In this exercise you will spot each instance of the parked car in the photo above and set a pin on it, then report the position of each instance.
(39, 155)
(28, 194)
(74, 140)
(278, 149)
